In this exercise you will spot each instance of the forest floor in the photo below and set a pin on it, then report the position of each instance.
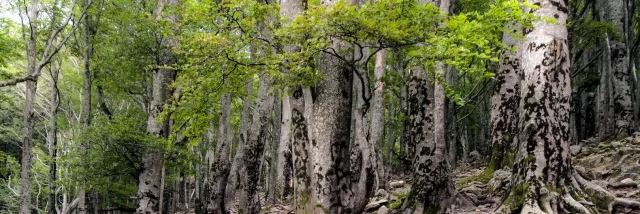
(613, 165)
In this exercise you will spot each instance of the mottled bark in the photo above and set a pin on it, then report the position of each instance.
(150, 186)
(254, 149)
(236, 165)
(614, 12)
(218, 161)
(376, 131)
(281, 174)
(276, 128)
(27, 125)
(301, 142)
(505, 103)
(433, 187)
(430, 171)
(542, 171)
(52, 138)
(331, 132)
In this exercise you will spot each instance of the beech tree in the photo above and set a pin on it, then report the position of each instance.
(150, 185)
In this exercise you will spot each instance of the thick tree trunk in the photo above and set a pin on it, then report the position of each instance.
(331, 131)
(27, 127)
(432, 184)
(505, 104)
(433, 187)
(301, 141)
(543, 161)
(622, 78)
(236, 165)
(150, 186)
(52, 139)
(218, 161)
(376, 131)
(254, 149)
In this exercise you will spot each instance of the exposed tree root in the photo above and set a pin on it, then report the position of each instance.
(572, 201)
(623, 185)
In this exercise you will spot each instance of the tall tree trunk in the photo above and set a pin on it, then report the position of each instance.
(86, 102)
(433, 187)
(361, 151)
(52, 139)
(150, 186)
(283, 155)
(27, 127)
(331, 132)
(505, 104)
(606, 117)
(622, 78)
(218, 161)
(301, 145)
(276, 122)
(376, 131)
(254, 149)
(430, 171)
(543, 160)
(236, 165)
(451, 119)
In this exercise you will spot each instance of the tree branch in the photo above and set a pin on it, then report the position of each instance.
(17, 80)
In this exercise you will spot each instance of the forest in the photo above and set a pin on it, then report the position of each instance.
(319, 106)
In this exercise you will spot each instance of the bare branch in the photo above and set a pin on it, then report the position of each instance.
(17, 80)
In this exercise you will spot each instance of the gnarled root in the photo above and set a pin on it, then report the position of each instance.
(569, 199)
(603, 196)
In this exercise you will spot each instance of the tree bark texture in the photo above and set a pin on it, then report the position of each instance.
(301, 142)
(218, 161)
(433, 186)
(52, 139)
(283, 156)
(236, 165)
(376, 131)
(150, 185)
(254, 149)
(331, 132)
(28, 114)
(86, 102)
(543, 160)
(614, 12)
(505, 104)
(276, 124)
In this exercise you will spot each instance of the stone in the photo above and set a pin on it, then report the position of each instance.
(616, 143)
(500, 180)
(627, 181)
(374, 205)
(396, 184)
(382, 193)
(474, 156)
(383, 210)
(575, 149)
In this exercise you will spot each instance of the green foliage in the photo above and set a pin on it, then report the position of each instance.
(9, 177)
(586, 34)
